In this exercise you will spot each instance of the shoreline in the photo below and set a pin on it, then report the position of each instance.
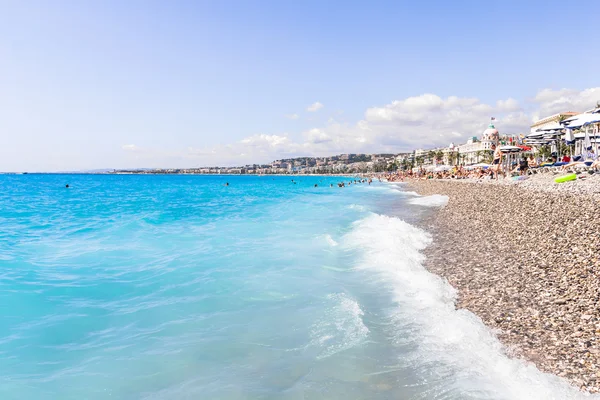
(527, 262)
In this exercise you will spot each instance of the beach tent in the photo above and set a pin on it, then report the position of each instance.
(442, 168)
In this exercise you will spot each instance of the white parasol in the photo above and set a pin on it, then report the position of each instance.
(587, 143)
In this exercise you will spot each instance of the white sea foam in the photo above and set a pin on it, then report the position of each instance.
(357, 207)
(338, 269)
(329, 240)
(340, 328)
(411, 193)
(452, 345)
(435, 200)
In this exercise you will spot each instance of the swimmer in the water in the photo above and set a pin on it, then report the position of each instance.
(226, 183)
(316, 185)
(67, 185)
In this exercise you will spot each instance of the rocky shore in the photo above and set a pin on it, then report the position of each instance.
(527, 261)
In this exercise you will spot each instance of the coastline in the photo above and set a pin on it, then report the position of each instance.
(527, 261)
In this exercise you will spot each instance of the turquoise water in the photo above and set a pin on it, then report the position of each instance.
(179, 287)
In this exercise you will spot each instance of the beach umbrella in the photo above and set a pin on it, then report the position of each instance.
(584, 119)
(553, 127)
(510, 149)
(569, 136)
(508, 152)
(569, 139)
(587, 144)
(534, 135)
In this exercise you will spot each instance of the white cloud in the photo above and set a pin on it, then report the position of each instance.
(292, 116)
(314, 107)
(265, 140)
(317, 136)
(421, 121)
(554, 101)
(508, 105)
(130, 147)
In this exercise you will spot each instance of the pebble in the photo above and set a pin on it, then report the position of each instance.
(524, 257)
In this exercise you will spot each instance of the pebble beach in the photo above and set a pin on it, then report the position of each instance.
(525, 257)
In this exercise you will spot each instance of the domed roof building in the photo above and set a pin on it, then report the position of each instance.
(490, 136)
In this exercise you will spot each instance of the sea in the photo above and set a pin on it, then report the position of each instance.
(235, 287)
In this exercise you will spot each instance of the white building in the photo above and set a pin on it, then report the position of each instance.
(473, 151)
(551, 120)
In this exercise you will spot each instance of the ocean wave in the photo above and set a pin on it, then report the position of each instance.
(341, 327)
(454, 346)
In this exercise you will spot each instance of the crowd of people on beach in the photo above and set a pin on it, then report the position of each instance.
(527, 164)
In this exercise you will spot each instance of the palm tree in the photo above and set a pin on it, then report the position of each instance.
(431, 155)
(478, 154)
(419, 161)
(439, 155)
(564, 148)
(488, 155)
(452, 157)
(544, 151)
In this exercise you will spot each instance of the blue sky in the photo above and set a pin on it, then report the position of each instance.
(105, 84)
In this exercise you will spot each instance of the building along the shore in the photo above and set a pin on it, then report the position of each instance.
(474, 150)
(552, 120)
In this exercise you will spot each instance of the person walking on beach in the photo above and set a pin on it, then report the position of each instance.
(497, 161)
